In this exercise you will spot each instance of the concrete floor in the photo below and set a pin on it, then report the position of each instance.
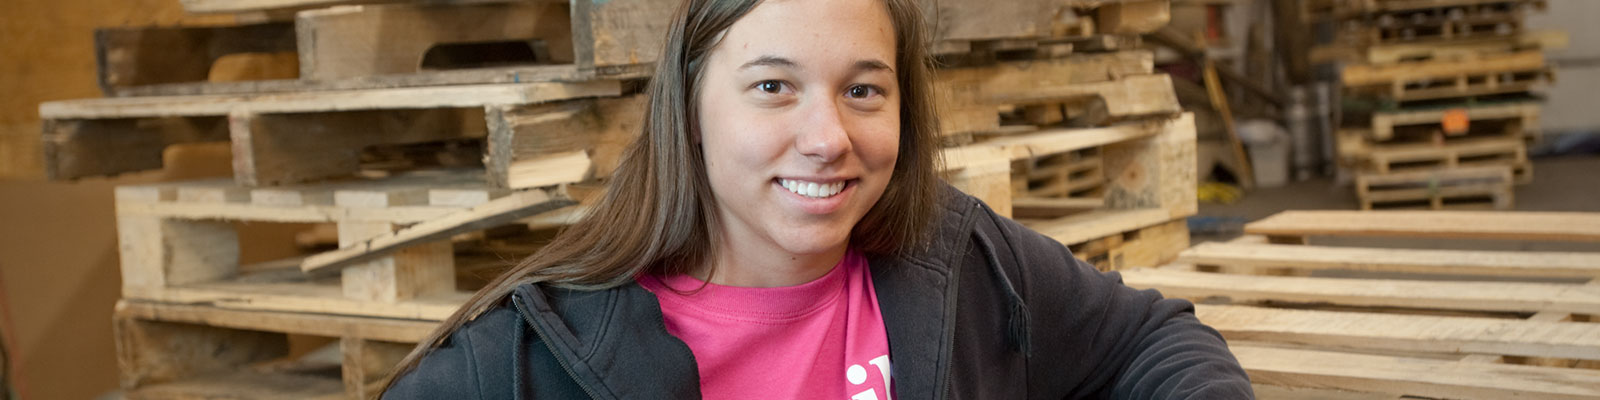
(1567, 183)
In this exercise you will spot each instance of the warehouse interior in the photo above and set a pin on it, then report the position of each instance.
(1157, 138)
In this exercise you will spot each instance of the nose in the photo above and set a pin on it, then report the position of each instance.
(823, 138)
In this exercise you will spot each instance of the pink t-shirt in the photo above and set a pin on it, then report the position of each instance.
(818, 340)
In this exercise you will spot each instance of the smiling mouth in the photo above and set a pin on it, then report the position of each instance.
(813, 189)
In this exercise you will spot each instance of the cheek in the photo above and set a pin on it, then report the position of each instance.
(879, 148)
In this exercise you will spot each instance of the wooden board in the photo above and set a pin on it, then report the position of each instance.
(963, 93)
(375, 99)
(1438, 295)
(1413, 376)
(1144, 247)
(1554, 226)
(1409, 333)
(1521, 118)
(1522, 264)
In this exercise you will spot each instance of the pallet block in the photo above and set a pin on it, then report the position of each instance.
(301, 137)
(1483, 187)
(1144, 247)
(1490, 331)
(170, 350)
(178, 244)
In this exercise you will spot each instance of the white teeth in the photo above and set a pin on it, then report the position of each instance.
(812, 189)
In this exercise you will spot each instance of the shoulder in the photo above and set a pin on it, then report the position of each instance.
(475, 354)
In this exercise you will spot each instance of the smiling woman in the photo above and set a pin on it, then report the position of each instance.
(778, 231)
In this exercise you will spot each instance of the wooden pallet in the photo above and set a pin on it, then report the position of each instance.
(1507, 324)
(1085, 89)
(1385, 158)
(387, 46)
(1517, 119)
(1376, 23)
(299, 137)
(178, 243)
(1077, 174)
(1482, 75)
(1437, 189)
(168, 350)
(1149, 165)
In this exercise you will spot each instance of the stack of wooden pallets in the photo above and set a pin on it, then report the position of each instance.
(437, 141)
(1312, 320)
(1443, 94)
(1072, 131)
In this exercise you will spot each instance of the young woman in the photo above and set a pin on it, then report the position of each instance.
(779, 231)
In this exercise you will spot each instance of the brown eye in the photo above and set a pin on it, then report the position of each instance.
(771, 87)
(859, 91)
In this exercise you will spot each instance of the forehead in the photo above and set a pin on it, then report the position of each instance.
(813, 32)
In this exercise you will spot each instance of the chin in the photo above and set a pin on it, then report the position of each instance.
(809, 242)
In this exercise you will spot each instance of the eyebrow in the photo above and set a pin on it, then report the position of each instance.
(775, 61)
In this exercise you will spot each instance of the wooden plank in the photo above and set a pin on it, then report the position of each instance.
(963, 93)
(1097, 224)
(474, 76)
(245, 383)
(963, 20)
(1131, 96)
(1383, 74)
(1466, 47)
(1554, 226)
(368, 40)
(373, 99)
(302, 297)
(1056, 141)
(1442, 295)
(988, 180)
(365, 363)
(500, 211)
(274, 149)
(131, 57)
(83, 148)
(1384, 122)
(1045, 207)
(1413, 376)
(153, 352)
(1493, 263)
(241, 6)
(386, 329)
(1396, 332)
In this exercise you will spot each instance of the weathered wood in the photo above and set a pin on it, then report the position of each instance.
(1439, 295)
(366, 363)
(1413, 376)
(509, 208)
(609, 33)
(964, 95)
(1045, 207)
(1156, 172)
(242, 6)
(157, 253)
(1097, 224)
(314, 324)
(1385, 74)
(79, 148)
(305, 203)
(1555, 226)
(987, 178)
(1523, 118)
(153, 352)
(272, 149)
(1144, 247)
(1133, 17)
(1131, 96)
(525, 140)
(961, 20)
(131, 57)
(1494, 263)
(375, 99)
(352, 41)
(415, 271)
(1405, 332)
(1437, 187)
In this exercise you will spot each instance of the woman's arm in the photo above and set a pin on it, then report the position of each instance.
(1119, 341)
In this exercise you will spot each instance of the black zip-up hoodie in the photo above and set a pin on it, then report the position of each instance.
(990, 310)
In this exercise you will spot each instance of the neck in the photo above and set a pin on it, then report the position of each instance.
(759, 266)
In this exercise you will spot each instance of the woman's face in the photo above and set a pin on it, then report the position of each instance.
(799, 121)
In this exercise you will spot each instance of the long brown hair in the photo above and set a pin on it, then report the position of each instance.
(657, 215)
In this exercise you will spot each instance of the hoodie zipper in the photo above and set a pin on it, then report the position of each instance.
(516, 300)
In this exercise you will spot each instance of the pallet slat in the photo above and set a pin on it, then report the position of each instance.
(1467, 262)
(1556, 226)
(1443, 295)
(1395, 332)
(1413, 376)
